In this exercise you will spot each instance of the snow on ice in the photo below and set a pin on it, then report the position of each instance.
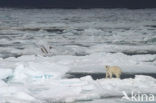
(41, 79)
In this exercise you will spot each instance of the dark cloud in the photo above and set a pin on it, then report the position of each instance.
(79, 3)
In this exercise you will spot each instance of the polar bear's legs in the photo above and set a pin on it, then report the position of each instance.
(117, 75)
(110, 75)
(107, 74)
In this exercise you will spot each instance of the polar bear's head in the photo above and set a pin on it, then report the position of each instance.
(107, 67)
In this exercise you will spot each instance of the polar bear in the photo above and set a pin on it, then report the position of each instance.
(113, 70)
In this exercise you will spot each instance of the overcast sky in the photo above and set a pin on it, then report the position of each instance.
(79, 3)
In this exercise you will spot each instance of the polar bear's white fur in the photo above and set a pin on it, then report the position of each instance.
(113, 70)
